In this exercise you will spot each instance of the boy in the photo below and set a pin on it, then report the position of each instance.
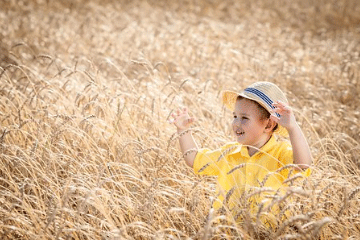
(257, 157)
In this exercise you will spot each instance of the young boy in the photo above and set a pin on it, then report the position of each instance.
(257, 158)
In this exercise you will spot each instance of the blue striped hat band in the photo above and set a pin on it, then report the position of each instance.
(262, 96)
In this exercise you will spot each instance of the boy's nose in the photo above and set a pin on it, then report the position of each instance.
(236, 122)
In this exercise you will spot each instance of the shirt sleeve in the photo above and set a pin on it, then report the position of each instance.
(286, 154)
(285, 158)
(205, 162)
(210, 162)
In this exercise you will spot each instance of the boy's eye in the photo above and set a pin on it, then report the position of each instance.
(244, 118)
(235, 116)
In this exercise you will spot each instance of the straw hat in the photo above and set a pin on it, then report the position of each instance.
(264, 93)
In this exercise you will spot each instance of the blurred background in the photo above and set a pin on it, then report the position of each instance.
(86, 88)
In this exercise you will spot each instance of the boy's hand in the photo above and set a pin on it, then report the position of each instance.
(182, 119)
(287, 118)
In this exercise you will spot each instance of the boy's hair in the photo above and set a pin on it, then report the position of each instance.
(264, 114)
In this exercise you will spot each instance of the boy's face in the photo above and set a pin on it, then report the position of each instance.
(247, 125)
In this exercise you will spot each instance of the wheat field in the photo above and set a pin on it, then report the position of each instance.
(87, 87)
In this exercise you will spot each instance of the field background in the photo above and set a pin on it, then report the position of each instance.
(86, 88)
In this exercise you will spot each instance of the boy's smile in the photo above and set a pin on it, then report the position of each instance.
(239, 133)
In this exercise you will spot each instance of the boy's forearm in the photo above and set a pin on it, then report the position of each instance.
(187, 143)
(301, 149)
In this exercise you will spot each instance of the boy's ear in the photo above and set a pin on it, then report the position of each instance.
(270, 125)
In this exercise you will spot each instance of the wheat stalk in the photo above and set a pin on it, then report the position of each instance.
(85, 148)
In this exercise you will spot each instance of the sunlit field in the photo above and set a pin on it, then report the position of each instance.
(87, 88)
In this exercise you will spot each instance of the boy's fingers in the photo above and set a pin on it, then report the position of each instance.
(276, 110)
(283, 109)
(280, 102)
(274, 118)
(278, 105)
(281, 105)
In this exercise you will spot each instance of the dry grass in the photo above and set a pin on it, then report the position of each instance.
(87, 86)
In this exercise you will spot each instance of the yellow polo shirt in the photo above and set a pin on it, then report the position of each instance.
(237, 172)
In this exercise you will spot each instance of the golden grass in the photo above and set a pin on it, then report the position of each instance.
(87, 87)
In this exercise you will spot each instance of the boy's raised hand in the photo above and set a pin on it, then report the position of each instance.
(287, 118)
(182, 119)
(301, 151)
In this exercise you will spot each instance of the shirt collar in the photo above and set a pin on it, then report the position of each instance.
(269, 145)
(266, 148)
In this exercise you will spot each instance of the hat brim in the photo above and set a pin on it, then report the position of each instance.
(229, 99)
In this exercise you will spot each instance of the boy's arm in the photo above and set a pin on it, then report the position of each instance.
(301, 150)
(188, 146)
